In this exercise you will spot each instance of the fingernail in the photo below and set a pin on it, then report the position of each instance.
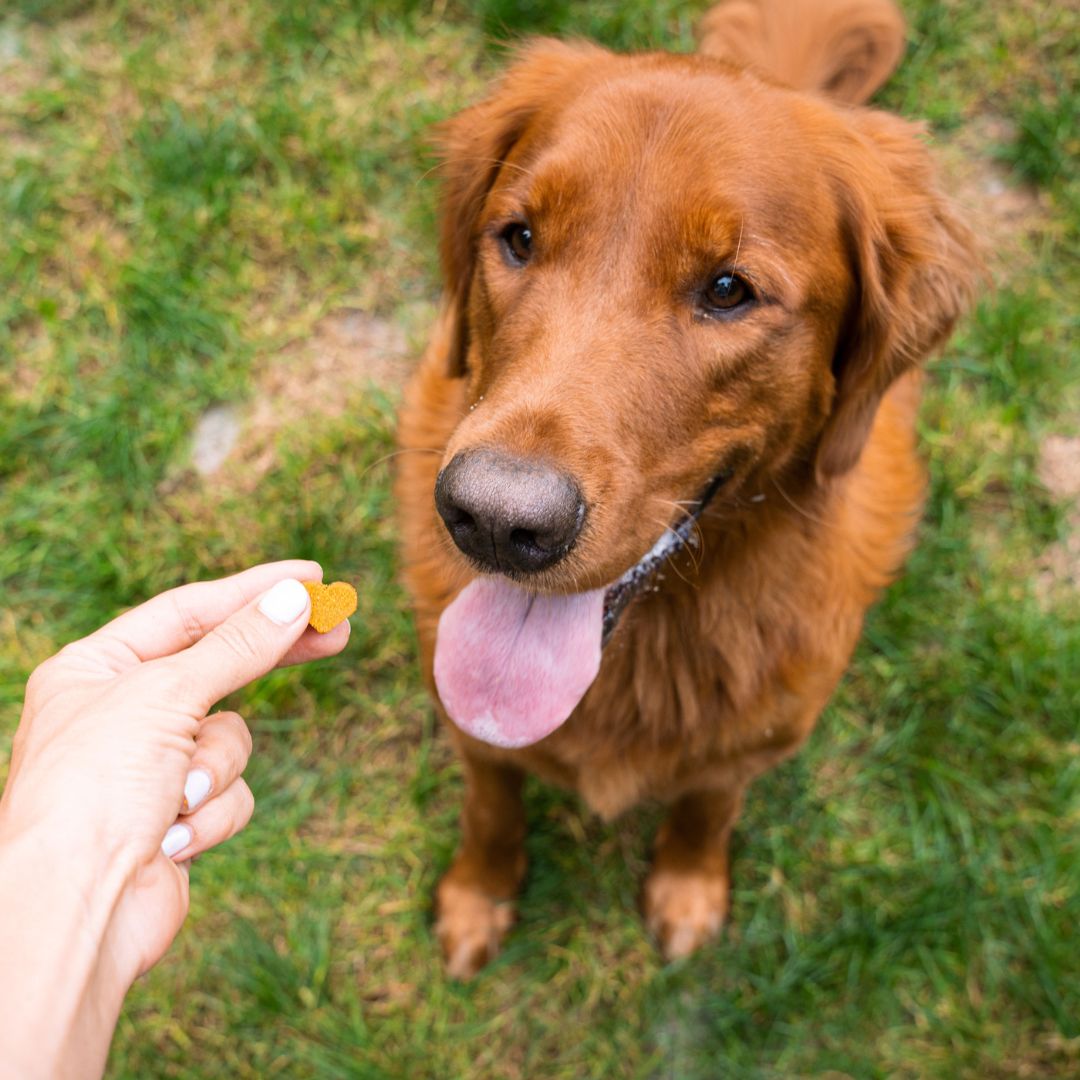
(196, 788)
(285, 602)
(176, 839)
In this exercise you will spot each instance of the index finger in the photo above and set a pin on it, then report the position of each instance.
(176, 619)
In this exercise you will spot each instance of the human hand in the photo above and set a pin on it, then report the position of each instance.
(115, 729)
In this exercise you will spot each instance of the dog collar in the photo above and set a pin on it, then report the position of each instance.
(640, 576)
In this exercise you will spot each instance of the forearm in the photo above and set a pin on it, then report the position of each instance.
(59, 996)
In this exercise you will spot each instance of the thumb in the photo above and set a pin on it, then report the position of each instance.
(242, 648)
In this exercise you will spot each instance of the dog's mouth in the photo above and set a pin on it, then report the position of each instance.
(511, 666)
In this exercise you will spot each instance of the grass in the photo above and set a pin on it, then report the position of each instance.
(188, 188)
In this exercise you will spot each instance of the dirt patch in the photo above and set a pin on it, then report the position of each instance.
(348, 352)
(1005, 212)
(346, 348)
(1059, 471)
(18, 75)
(32, 355)
(1059, 466)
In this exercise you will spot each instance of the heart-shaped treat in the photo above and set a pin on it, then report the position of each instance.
(330, 603)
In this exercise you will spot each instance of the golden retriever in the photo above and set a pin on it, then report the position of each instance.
(665, 428)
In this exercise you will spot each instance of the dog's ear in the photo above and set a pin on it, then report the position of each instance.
(474, 146)
(845, 49)
(914, 264)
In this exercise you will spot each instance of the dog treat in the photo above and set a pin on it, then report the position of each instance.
(330, 603)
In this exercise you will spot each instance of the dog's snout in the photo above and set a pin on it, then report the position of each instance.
(511, 515)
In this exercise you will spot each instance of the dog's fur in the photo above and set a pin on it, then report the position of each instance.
(641, 176)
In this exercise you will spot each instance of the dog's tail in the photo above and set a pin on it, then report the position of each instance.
(844, 49)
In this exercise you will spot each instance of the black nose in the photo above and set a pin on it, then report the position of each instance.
(511, 515)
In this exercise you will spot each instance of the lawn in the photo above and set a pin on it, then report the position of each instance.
(220, 203)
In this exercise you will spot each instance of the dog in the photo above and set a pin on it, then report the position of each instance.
(660, 450)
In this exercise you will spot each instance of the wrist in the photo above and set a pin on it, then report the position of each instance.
(60, 989)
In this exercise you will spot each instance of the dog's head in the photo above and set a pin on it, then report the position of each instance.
(665, 270)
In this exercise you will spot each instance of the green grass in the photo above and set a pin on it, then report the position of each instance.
(185, 189)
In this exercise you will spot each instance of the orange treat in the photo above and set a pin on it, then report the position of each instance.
(330, 603)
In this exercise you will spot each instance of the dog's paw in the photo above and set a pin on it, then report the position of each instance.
(684, 909)
(470, 927)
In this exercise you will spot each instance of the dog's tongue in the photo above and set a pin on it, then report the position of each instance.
(511, 666)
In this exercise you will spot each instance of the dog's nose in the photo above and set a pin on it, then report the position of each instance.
(511, 515)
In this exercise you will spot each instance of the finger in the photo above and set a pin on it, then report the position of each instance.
(180, 617)
(222, 749)
(315, 646)
(212, 824)
(242, 648)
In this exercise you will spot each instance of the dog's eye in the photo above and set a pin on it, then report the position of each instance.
(727, 291)
(517, 241)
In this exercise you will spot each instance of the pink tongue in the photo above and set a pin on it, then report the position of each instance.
(510, 665)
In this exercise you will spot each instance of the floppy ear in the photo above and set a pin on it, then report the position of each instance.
(914, 264)
(474, 146)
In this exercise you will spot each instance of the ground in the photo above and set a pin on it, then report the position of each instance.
(218, 262)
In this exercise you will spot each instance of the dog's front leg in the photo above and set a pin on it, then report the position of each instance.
(686, 893)
(474, 900)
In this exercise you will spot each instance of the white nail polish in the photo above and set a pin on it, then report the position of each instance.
(285, 602)
(196, 788)
(176, 839)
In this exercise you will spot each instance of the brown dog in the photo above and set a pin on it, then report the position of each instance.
(670, 405)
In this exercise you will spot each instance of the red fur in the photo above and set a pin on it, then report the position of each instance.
(641, 176)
